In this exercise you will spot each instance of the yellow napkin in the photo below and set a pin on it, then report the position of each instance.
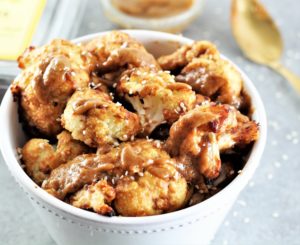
(18, 21)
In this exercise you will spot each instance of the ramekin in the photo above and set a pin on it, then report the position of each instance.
(73, 226)
(173, 24)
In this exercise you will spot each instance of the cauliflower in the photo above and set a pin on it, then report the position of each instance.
(97, 197)
(184, 55)
(116, 50)
(206, 131)
(40, 158)
(92, 117)
(161, 189)
(214, 77)
(155, 96)
(51, 74)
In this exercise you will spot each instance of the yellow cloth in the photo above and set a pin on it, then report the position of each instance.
(18, 21)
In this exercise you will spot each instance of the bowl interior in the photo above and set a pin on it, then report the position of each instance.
(158, 44)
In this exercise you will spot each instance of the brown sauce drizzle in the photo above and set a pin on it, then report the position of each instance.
(84, 105)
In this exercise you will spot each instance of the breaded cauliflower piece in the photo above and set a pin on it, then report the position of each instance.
(214, 77)
(116, 50)
(207, 130)
(51, 74)
(161, 189)
(97, 197)
(184, 55)
(71, 177)
(155, 96)
(40, 158)
(92, 117)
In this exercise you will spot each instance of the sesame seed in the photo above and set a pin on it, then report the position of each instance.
(150, 161)
(231, 172)
(132, 138)
(141, 174)
(277, 164)
(295, 141)
(225, 242)
(242, 203)
(285, 157)
(251, 184)
(270, 176)
(113, 181)
(118, 104)
(275, 215)
(114, 85)
(131, 177)
(274, 142)
(84, 132)
(240, 171)
(246, 220)
(126, 173)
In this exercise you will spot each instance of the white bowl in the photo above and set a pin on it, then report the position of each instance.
(173, 24)
(73, 226)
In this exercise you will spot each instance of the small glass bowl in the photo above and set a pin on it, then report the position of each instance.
(175, 23)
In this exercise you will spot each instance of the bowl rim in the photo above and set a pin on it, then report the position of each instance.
(10, 158)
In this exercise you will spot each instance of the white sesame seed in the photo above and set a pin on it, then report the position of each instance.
(131, 177)
(275, 215)
(132, 138)
(84, 132)
(118, 104)
(126, 173)
(231, 172)
(285, 157)
(113, 181)
(270, 176)
(141, 174)
(242, 203)
(225, 242)
(277, 164)
(251, 184)
(150, 161)
(295, 141)
(114, 85)
(246, 220)
(240, 171)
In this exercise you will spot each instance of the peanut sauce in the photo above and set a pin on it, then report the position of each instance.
(84, 105)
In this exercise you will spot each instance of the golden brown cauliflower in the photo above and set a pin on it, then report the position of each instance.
(51, 74)
(161, 189)
(97, 197)
(155, 96)
(40, 158)
(205, 131)
(214, 77)
(116, 50)
(92, 117)
(184, 55)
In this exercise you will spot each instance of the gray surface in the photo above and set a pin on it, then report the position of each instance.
(268, 210)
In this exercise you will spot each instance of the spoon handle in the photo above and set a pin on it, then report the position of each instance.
(289, 75)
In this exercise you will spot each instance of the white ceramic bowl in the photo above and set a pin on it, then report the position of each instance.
(73, 226)
(173, 24)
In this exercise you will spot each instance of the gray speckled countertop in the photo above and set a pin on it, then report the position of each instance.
(268, 210)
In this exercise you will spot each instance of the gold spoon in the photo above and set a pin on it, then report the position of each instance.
(259, 37)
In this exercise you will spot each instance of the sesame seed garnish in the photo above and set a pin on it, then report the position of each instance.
(277, 164)
(231, 172)
(285, 157)
(132, 138)
(118, 104)
(240, 171)
(295, 141)
(114, 85)
(126, 173)
(141, 174)
(275, 215)
(84, 132)
(150, 161)
(246, 220)
(113, 181)
(131, 177)
(242, 203)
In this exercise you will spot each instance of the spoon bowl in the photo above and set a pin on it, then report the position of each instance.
(258, 36)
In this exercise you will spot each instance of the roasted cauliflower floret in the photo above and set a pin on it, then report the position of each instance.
(40, 158)
(206, 131)
(155, 96)
(51, 74)
(160, 190)
(97, 197)
(116, 50)
(214, 77)
(72, 53)
(92, 117)
(70, 177)
(184, 55)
